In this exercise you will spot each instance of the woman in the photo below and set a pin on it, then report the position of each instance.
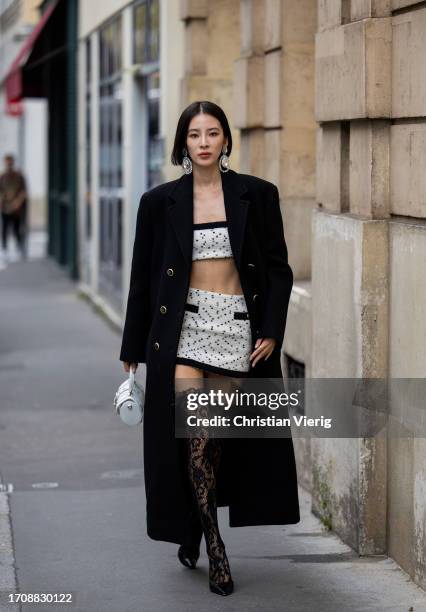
(209, 290)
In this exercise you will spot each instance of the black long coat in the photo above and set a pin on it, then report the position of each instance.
(257, 477)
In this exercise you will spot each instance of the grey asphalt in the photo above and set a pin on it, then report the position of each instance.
(72, 477)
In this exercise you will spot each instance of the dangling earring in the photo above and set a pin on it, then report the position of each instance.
(186, 162)
(224, 160)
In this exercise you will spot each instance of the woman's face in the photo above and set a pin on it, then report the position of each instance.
(205, 135)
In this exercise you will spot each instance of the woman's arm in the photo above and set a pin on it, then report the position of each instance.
(137, 322)
(279, 273)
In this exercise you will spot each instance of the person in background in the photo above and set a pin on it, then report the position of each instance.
(13, 201)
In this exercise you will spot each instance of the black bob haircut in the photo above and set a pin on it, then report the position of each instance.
(200, 106)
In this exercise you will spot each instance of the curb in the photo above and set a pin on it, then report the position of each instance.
(100, 306)
(8, 582)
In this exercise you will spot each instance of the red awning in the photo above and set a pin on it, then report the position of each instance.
(13, 79)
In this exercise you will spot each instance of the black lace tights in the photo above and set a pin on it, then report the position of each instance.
(204, 456)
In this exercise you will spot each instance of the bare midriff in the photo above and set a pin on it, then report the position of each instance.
(219, 275)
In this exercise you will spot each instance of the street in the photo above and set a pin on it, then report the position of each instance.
(72, 478)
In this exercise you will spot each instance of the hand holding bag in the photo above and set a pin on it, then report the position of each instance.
(129, 400)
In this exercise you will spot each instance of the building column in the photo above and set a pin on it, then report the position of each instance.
(350, 256)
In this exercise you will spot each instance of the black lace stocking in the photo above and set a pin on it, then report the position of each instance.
(195, 534)
(203, 462)
(196, 531)
(204, 454)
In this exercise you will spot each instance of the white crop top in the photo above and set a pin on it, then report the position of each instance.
(211, 240)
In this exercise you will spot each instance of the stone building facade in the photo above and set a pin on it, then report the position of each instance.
(328, 100)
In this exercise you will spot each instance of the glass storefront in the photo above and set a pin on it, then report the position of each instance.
(147, 146)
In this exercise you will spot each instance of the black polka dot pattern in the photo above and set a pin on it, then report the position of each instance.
(212, 336)
(211, 240)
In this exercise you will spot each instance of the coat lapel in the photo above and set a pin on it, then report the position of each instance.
(181, 210)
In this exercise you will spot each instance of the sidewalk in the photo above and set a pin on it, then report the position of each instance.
(37, 241)
(77, 505)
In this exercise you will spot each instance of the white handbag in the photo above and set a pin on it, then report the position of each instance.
(129, 401)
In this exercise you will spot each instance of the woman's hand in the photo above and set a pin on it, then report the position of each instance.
(262, 349)
(127, 365)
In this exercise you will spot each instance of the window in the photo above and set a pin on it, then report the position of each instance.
(147, 32)
(110, 160)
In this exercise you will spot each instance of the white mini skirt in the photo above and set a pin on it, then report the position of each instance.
(216, 333)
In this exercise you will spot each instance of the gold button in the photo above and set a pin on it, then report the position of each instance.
(163, 309)
(157, 346)
(170, 271)
(255, 296)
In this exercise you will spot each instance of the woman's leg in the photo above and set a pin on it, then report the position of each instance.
(4, 230)
(189, 379)
(17, 231)
(204, 459)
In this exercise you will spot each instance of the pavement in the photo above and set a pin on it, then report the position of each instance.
(72, 502)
